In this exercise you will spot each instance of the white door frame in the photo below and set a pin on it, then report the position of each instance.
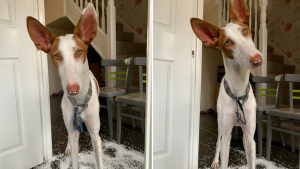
(149, 84)
(195, 92)
(42, 65)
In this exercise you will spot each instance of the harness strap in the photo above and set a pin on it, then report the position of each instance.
(239, 105)
(77, 122)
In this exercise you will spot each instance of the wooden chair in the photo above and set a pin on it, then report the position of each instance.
(111, 92)
(291, 113)
(133, 99)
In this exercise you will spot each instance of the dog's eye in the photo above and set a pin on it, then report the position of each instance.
(57, 56)
(228, 43)
(78, 52)
(245, 31)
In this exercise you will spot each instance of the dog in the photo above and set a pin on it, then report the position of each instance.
(69, 55)
(240, 56)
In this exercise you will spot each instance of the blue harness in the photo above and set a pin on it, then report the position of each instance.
(77, 122)
(238, 103)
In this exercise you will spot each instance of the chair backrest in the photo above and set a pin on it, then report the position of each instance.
(292, 78)
(141, 61)
(122, 62)
(270, 79)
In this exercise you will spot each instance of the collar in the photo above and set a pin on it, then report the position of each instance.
(244, 98)
(77, 122)
(239, 105)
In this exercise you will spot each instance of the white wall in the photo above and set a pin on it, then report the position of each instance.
(211, 59)
(212, 16)
(54, 79)
(54, 9)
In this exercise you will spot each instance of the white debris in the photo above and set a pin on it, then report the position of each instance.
(114, 156)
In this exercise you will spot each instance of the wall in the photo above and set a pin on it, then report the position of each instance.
(54, 79)
(134, 13)
(211, 59)
(212, 16)
(53, 10)
(283, 24)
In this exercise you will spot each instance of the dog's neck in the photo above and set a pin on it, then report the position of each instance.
(80, 98)
(236, 76)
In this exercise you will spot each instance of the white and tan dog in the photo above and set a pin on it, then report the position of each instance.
(69, 54)
(239, 56)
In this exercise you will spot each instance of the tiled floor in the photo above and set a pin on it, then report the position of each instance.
(131, 137)
(208, 139)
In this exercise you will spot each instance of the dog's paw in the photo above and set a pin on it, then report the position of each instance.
(214, 165)
(68, 151)
(103, 146)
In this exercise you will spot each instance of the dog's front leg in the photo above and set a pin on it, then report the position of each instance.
(68, 149)
(249, 143)
(73, 136)
(227, 123)
(92, 122)
(215, 163)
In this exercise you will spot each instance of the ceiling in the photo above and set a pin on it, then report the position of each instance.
(208, 5)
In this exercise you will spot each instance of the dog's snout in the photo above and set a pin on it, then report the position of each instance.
(73, 89)
(256, 60)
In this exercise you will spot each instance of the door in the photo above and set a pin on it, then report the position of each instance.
(20, 131)
(172, 82)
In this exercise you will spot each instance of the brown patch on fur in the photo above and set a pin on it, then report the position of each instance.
(227, 50)
(86, 28)
(239, 11)
(54, 51)
(42, 38)
(242, 28)
(206, 32)
(80, 46)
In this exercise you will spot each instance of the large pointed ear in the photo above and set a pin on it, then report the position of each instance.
(40, 35)
(239, 11)
(86, 28)
(207, 33)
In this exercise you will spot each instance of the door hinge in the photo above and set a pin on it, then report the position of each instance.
(193, 54)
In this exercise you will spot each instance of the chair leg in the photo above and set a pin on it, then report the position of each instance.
(236, 132)
(143, 122)
(259, 131)
(110, 116)
(119, 121)
(281, 133)
(292, 137)
(132, 119)
(269, 136)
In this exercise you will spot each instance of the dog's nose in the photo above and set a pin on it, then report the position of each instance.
(73, 89)
(256, 60)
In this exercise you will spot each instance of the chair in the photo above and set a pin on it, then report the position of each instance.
(261, 108)
(111, 92)
(133, 99)
(291, 113)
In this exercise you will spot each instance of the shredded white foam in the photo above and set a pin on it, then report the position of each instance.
(114, 156)
(260, 161)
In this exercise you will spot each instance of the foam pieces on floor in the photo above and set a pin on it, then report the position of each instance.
(114, 156)
(261, 163)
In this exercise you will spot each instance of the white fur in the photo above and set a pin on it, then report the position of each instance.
(73, 71)
(244, 48)
(237, 76)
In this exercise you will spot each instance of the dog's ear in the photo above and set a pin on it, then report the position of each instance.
(86, 28)
(40, 35)
(239, 11)
(207, 33)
